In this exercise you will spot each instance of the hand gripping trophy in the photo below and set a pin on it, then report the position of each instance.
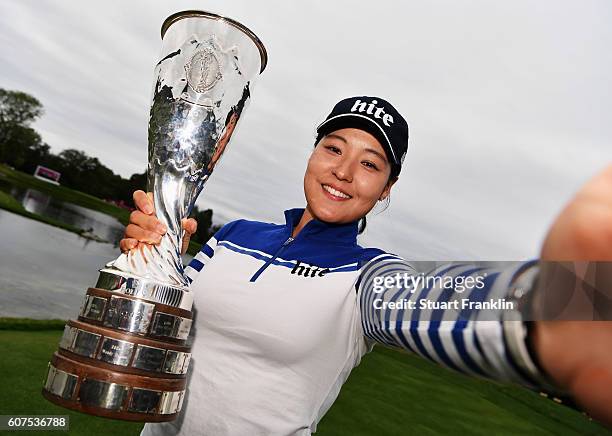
(126, 356)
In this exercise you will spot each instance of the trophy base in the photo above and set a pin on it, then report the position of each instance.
(125, 416)
(136, 316)
(147, 289)
(125, 357)
(97, 391)
(109, 349)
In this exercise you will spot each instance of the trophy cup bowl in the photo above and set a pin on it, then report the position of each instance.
(127, 354)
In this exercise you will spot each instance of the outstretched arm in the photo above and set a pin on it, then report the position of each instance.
(434, 314)
(571, 356)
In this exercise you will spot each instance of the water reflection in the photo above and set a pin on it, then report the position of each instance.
(45, 271)
(97, 223)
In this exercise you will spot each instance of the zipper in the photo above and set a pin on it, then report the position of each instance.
(269, 261)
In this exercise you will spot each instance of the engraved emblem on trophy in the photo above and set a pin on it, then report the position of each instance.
(203, 70)
(127, 354)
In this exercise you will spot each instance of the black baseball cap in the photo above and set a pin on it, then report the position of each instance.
(376, 116)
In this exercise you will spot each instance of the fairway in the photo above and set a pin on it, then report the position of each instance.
(395, 393)
(390, 393)
(24, 367)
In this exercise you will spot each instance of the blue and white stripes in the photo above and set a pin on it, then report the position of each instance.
(465, 339)
(204, 255)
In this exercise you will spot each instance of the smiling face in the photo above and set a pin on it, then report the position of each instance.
(347, 173)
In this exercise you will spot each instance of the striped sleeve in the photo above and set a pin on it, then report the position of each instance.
(482, 343)
(204, 255)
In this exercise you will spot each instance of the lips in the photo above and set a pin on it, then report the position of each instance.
(335, 193)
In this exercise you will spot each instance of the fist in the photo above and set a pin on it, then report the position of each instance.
(145, 229)
(577, 355)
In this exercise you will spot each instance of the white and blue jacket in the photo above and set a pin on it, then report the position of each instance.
(281, 322)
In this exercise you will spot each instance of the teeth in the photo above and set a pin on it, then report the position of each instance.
(332, 191)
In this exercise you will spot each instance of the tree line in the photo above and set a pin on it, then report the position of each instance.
(23, 148)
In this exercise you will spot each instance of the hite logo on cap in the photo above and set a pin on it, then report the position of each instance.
(372, 109)
(376, 116)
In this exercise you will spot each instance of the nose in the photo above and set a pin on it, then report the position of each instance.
(343, 171)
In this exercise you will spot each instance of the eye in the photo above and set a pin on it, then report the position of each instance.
(369, 164)
(333, 149)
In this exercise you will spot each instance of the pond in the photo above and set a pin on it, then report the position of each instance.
(44, 270)
(101, 225)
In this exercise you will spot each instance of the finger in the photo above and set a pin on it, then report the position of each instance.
(147, 222)
(136, 232)
(144, 202)
(127, 244)
(190, 225)
(185, 243)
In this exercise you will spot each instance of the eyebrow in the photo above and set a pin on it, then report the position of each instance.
(371, 150)
(333, 135)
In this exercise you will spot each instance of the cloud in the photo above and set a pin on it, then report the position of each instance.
(507, 103)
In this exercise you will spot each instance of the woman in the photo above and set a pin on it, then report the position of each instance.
(284, 312)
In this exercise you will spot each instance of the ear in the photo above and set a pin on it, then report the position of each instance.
(387, 189)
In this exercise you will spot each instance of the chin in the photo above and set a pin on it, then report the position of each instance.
(326, 217)
(323, 213)
(330, 215)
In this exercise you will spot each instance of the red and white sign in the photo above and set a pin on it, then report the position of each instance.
(47, 174)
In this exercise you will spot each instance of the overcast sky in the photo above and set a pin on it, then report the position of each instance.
(508, 103)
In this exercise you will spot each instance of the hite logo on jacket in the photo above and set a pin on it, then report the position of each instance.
(369, 109)
(308, 270)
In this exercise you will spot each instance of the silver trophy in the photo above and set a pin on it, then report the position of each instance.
(126, 356)
(201, 87)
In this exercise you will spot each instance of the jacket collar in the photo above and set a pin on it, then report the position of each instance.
(320, 230)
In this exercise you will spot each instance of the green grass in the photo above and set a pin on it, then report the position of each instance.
(27, 324)
(390, 393)
(395, 393)
(62, 193)
(23, 366)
